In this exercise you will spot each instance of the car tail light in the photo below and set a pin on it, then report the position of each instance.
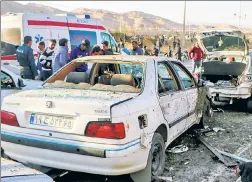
(246, 78)
(105, 130)
(9, 118)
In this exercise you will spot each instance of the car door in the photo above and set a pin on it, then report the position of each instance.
(172, 99)
(191, 91)
(8, 85)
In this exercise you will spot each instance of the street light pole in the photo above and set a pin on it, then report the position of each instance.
(183, 38)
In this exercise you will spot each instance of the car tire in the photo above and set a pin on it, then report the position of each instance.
(157, 154)
(249, 105)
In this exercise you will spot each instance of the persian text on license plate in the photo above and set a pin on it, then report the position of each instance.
(52, 121)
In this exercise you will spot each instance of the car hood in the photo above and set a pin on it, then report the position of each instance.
(223, 43)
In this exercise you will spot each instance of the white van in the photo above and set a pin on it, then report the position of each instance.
(43, 27)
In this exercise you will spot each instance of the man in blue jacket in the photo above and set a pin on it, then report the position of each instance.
(81, 51)
(26, 60)
(61, 57)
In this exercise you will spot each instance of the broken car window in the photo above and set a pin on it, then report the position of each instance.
(166, 79)
(187, 81)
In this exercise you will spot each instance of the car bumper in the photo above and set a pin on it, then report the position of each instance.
(231, 92)
(104, 160)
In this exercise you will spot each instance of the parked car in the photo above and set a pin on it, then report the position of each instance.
(228, 68)
(12, 83)
(128, 110)
(14, 171)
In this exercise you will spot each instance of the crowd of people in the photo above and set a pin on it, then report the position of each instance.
(50, 60)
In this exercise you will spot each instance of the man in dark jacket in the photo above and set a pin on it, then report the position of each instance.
(105, 48)
(178, 53)
(26, 60)
(81, 51)
(136, 49)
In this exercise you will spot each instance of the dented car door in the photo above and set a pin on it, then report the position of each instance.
(189, 86)
(172, 99)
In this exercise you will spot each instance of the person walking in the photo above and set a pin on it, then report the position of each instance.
(61, 57)
(125, 50)
(26, 60)
(105, 48)
(196, 54)
(136, 49)
(41, 47)
(81, 51)
(45, 59)
(178, 52)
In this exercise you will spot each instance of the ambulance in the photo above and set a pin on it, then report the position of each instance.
(43, 27)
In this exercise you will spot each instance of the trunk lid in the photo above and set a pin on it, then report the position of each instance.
(62, 110)
(223, 43)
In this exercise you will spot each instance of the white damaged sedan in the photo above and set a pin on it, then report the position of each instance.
(117, 120)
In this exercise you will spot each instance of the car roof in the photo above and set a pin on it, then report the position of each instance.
(220, 30)
(126, 58)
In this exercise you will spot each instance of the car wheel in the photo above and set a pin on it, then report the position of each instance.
(249, 105)
(157, 154)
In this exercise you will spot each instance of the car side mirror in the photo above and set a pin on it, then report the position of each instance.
(201, 83)
(21, 83)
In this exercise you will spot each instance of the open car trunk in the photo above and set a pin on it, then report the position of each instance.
(218, 71)
(226, 51)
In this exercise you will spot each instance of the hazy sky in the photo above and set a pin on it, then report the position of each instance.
(198, 12)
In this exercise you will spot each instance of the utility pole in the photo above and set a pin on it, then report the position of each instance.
(240, 17)
(183, 38)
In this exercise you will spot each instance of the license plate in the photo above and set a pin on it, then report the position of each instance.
(52, 121)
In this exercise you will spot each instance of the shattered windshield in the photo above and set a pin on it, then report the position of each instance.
(223, 43)
(105, 76)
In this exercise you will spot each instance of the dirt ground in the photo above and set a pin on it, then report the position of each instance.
(198, 164)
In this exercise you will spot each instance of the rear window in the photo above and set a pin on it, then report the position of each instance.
(76, 36)
(110, 76)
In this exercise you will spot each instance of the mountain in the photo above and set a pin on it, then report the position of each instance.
(14, 7)
(136, 20)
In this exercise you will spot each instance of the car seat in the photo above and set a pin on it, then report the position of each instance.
(123, 79)
(77, 77)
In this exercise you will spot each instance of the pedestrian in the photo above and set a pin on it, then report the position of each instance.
(155, 52)
(125, 50)
(105, 48)
(26, 60)
(178, 52)
(96, 51)
(196, 55)
(81, 51)
(136, 49)
(61, 56)
(146, 52)
(45, 59)
(41, 47)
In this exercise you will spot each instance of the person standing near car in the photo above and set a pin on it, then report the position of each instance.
(136, 49)
(105, 48)
(26, 60)
(41, 47)
(178, 52)
(81, 51)
(61, 57)
(196, 54)
(45, 59)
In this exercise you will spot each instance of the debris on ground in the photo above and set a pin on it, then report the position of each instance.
(216, 129)
(178, 149)
(227, 162)
(218, 110)
(235, 157)
(162, 179)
